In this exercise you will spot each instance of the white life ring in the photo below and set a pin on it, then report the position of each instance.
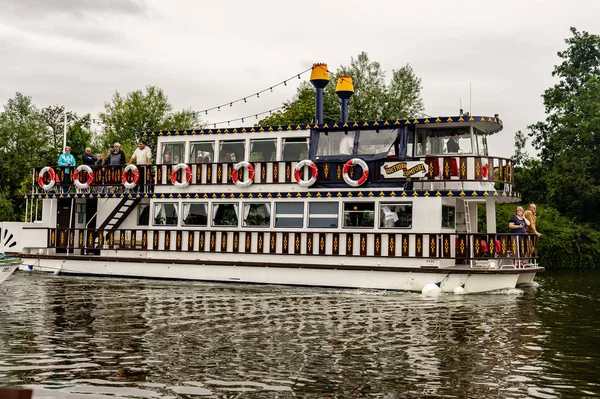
(53, 178)
(235, 174)
(365, 172)
(90, 179)
(185, 180)
(136, 176)
(299, 168)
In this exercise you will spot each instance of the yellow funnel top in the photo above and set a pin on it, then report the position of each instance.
(319, 72)
(344, 84)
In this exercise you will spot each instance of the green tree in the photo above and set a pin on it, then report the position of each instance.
(24, 139)
(127, 117)
(373, 98)
(569, 138)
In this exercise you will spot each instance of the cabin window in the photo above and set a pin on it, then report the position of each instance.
(443, 141)
(232, 151)
(359, 214)
(448, 216)
(203, 152)
(289, 214)
(378, 141)
(257, 215)
(395, 215)
(323, 215)
(172, 153)
(482, 148)
(263, 150)
(335, 143)
(166, 214)
(143, 214)
(294, 149)
(195, 214)
(225, 214)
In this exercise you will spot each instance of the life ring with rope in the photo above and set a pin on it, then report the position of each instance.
(53, 178)
(185, 180)
(365, 172)
(299, 168)
(90, 179)
(484, 170)
(235, 174)
(134, 171)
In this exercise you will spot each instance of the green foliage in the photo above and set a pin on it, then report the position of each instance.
(373, 98)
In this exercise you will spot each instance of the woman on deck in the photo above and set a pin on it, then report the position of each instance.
(517, 223)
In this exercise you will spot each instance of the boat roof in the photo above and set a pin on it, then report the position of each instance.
(487, 124)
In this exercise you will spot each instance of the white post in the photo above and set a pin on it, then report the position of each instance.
(64, 133)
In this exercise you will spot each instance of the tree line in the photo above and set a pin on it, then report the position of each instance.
(563, 178)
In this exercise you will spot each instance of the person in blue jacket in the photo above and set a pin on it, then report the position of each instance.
(66, 161)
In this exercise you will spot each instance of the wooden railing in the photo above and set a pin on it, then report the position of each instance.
(459, 246)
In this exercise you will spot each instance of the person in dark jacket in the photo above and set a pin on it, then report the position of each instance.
(88, 158)
(117, 156)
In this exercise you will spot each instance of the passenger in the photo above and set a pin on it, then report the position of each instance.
(517, 222)
(531, 217)
(66, 160)
(117, 156)
(167, 158)
(143, 157)
(452, 144)
(88, 158)
(347, 144)
(102, 170)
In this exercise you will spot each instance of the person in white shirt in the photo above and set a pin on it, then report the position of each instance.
(142, 156)
(347, 144)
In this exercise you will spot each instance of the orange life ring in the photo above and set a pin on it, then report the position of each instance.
(90, 179)
(235, 174)
(135, 179)
(53, 178)
(365, 172)
(184, 181)
(298, 169)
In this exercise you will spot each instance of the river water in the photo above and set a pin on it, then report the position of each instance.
(71, 337)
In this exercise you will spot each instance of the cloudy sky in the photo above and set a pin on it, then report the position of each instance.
(202, 54)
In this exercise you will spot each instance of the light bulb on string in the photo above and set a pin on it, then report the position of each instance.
(257, 95)
(285, 82)
(231, 104)
(298, 76)
(245, 100)
(242, 120)
(219, 108)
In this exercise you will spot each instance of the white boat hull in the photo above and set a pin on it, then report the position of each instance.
(6, 269)
(401, 279)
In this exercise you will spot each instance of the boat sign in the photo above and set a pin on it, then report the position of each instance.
(391, 170)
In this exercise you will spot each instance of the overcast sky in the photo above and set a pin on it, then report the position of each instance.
(202, 54)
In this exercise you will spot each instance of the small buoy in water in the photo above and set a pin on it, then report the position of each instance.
(432, 289)
(460, 290)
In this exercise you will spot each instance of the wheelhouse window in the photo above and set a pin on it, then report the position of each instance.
(395, 215)
(378, 141)
(294, 149)
(335, 143)
(257, 215)
(202, 152)
(195, 214)
(172, 153)
(232, 151)
(166, 213)
(482, 148)
(289, 214)
(323, 215)
(368, 144)
(225, 214)
(143, 215)
(359, 214)
(263, 150)
(443, 141)
(448, 216)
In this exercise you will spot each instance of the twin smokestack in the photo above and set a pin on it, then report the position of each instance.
(319, 77)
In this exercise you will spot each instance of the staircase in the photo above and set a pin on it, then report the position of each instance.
(119, 214)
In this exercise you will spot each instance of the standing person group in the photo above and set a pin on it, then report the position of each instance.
(115, 157)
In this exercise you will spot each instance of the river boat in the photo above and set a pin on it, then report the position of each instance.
(8, 265)
(387, 204)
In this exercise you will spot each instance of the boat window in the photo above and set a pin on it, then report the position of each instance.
(143, 214)
(225, 214)
(448, 216)
(443, 141)
(395, 215)
(232, 151)
(359, 214)
(335, 143)
(172, 153)
(202, 152)
(294, 149)
(289, 214)
(323, 215)
(195, 214)
(482, 148)
(166, 214)
(257, 215)
(263, 150)
(378, 141)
